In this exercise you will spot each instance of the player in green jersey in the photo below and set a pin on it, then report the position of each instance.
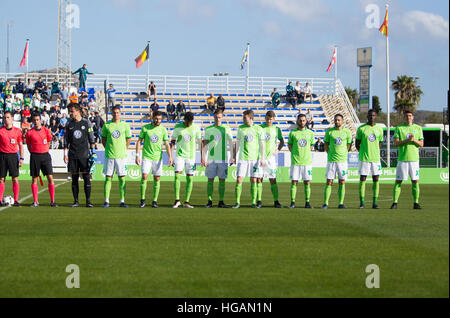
(301, 143)
(272, 134)
(116, 136)
(250, 145)
(154, 136)
(216, 144)
(185, 137)
(369, 138)
(338, 141)
(408, 138)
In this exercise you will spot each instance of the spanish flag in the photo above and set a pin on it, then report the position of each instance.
(143, 56)
(384, 27)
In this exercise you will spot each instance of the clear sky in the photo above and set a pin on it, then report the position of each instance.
(202, 37)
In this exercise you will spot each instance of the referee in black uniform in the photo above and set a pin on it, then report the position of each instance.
(79, 139)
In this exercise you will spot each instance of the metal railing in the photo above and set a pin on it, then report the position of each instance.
(340, 91)
(178, 83)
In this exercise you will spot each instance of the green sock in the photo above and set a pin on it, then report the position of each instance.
(397, 191)
(293, 192)
(327, 194)
(143, 188)
(253, 191)
(107, 187)
(362, 191)
(259, 187)
(122, 188)
(177, 186)
(307, 189)
(341, 193)
(210, 189)
(376, 191)
(415, 192)
(156, 187)
(237, 192)
(274, 188)
(221, 190)
(189, 184)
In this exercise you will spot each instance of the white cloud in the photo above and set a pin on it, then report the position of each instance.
(435, 25)
(302, 10)
(272, 28)
(195, 9)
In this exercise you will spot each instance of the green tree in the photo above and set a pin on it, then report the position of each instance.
(376, 104)
(408, 93)
(434, 118)
(352, 96)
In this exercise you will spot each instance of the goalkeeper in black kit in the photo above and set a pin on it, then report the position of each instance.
(79, 139)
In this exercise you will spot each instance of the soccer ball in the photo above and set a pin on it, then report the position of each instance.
(8, 200)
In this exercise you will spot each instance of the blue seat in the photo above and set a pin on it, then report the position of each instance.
(81, 89)
(91, 91)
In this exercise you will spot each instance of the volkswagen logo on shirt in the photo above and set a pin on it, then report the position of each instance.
(187, 138)
(408, 135)
(372, 137)
(248, 138)
(338, 141)
(115, 134)
(267, 136)
(77, 134)
(217, 138)
(302, 143)
(154, 139)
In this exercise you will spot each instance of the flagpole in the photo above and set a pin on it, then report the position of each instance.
(248, 67)
(28, 54)
(335, 71)
(388, 138)
(148, 65)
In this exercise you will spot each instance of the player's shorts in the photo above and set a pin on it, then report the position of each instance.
(40, 162)
(369, 168)
(187, 164)
(9, 162)
(407, 168)
(119, 165)
(78, 165)
(337, 168)
(217, 169)
(300, 172)
(249, 168)
(155, 166)
(269, 170)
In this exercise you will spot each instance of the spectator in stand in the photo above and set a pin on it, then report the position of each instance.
(55, 88)
(290, 95)
(153, 108)
(171, 110)
(19, 88)
(39, 85)
(309, 119)
(111, 93)
(63, 121)
(92, 105)
(211, 103)
(45, 119)
(26, 113)
(2, 104)
(275, 98)
(298, 92)
(29, 88)
(54, 129)
(319, 146)
(27, 100)
(181, 109)
(17, 105)
(46, 93)
(99, 122)
(91, 118)
(220, 103)
(7, 89)
(307, 91)
(25, 125)
(82, 77)
(2, 84)
(84, 101)
(64, 96)
(73, 98)
(45, 105)
(151, 90)
(9, 103)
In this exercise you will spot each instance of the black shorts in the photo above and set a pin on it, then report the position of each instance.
(40, 162)
(9, 162)
(78, 165)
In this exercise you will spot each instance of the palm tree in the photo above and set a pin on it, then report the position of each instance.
(352, 96)
(408, 93)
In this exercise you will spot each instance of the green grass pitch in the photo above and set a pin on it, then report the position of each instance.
(248, 252)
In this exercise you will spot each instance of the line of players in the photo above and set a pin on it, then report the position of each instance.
(255, 153)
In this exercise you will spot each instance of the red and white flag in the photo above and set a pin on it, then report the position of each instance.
(25, 55)
(333, 60)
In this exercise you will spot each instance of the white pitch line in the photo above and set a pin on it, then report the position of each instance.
(31, 195)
